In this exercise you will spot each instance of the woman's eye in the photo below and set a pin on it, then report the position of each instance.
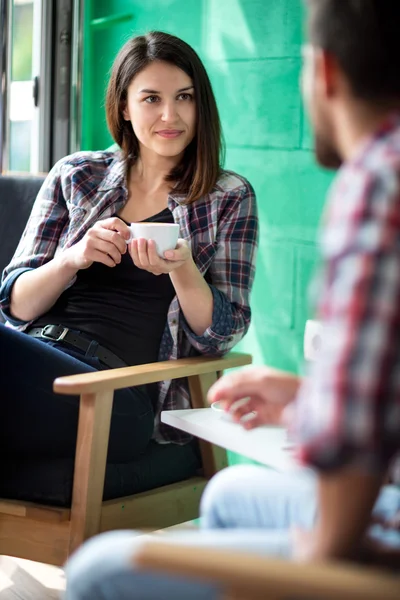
(185, 97)
(151, 99)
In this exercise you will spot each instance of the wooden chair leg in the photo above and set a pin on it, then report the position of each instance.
(213, 457)
(90, 466)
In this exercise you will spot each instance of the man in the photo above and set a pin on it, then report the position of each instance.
(345, 416)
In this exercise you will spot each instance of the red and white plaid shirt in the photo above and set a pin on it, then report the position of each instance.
(348, 410)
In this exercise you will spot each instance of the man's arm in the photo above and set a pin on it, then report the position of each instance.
(346, 498)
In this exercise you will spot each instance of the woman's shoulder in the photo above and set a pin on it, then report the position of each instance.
(233, 191)
(97, 165)
(232, 195)
(229, 181)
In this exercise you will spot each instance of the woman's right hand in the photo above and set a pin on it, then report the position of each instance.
(105, 243)
(35, 291)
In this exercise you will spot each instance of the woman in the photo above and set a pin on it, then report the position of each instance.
(79, 298)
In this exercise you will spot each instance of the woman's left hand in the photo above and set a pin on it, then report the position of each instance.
(144, 256)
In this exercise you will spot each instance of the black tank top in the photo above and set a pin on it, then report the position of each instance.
(123, 308)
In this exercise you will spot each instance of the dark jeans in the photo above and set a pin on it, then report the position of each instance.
(36, 422)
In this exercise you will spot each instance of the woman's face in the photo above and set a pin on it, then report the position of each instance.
(161, 107)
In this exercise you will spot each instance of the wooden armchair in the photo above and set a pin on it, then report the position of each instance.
(249, 577)
(49, 534)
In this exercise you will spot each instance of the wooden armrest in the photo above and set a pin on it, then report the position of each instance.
(258, 577)
(115, 379)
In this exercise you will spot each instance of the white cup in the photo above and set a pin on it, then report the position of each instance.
(227, 415)
(165, 235)
(217, 408)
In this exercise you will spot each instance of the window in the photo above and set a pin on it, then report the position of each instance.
(21, 103)
(38, 58)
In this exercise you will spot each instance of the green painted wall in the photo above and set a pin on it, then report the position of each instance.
(251, 49)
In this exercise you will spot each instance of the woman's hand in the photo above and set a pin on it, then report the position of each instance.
(144, 256)
(105, 243)
(267, 392)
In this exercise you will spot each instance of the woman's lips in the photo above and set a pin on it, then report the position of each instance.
(169, 133)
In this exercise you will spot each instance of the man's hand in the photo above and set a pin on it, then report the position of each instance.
(372, 551)
(381, 554)
(392, 523)
(268, 391)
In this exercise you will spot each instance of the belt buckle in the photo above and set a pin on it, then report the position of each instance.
(54, 339)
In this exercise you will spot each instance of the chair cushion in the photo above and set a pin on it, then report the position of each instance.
(17, 195)
(49, 481)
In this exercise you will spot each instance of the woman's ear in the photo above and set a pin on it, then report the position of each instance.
(124, 111)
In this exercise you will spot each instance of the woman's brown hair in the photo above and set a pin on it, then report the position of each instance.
(199, 169)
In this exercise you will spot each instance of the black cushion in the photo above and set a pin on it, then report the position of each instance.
(50, 481)
(17, 195)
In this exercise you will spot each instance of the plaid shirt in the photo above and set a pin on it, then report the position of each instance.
(221, 228)
(348, 410)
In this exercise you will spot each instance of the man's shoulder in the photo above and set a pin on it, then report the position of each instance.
(381, 160)
(364, 202)
(374, 172)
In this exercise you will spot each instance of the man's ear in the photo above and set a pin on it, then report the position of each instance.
(327, 73)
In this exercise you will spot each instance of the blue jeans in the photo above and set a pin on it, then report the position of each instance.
(37, 423)
(244, 508)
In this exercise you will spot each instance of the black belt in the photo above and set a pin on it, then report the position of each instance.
(58, 333)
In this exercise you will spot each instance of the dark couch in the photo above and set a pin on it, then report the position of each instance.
(50, 481)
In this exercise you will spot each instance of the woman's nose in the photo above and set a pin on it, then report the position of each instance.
(169, 112)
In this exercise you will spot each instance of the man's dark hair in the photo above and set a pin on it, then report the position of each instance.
(364, 37)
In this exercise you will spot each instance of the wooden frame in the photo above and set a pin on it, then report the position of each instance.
(50, 534)
(249, 577)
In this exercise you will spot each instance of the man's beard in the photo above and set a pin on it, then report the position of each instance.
(326, 154)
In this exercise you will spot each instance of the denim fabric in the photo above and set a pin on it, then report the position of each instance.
(250, 509)
(38, 423)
